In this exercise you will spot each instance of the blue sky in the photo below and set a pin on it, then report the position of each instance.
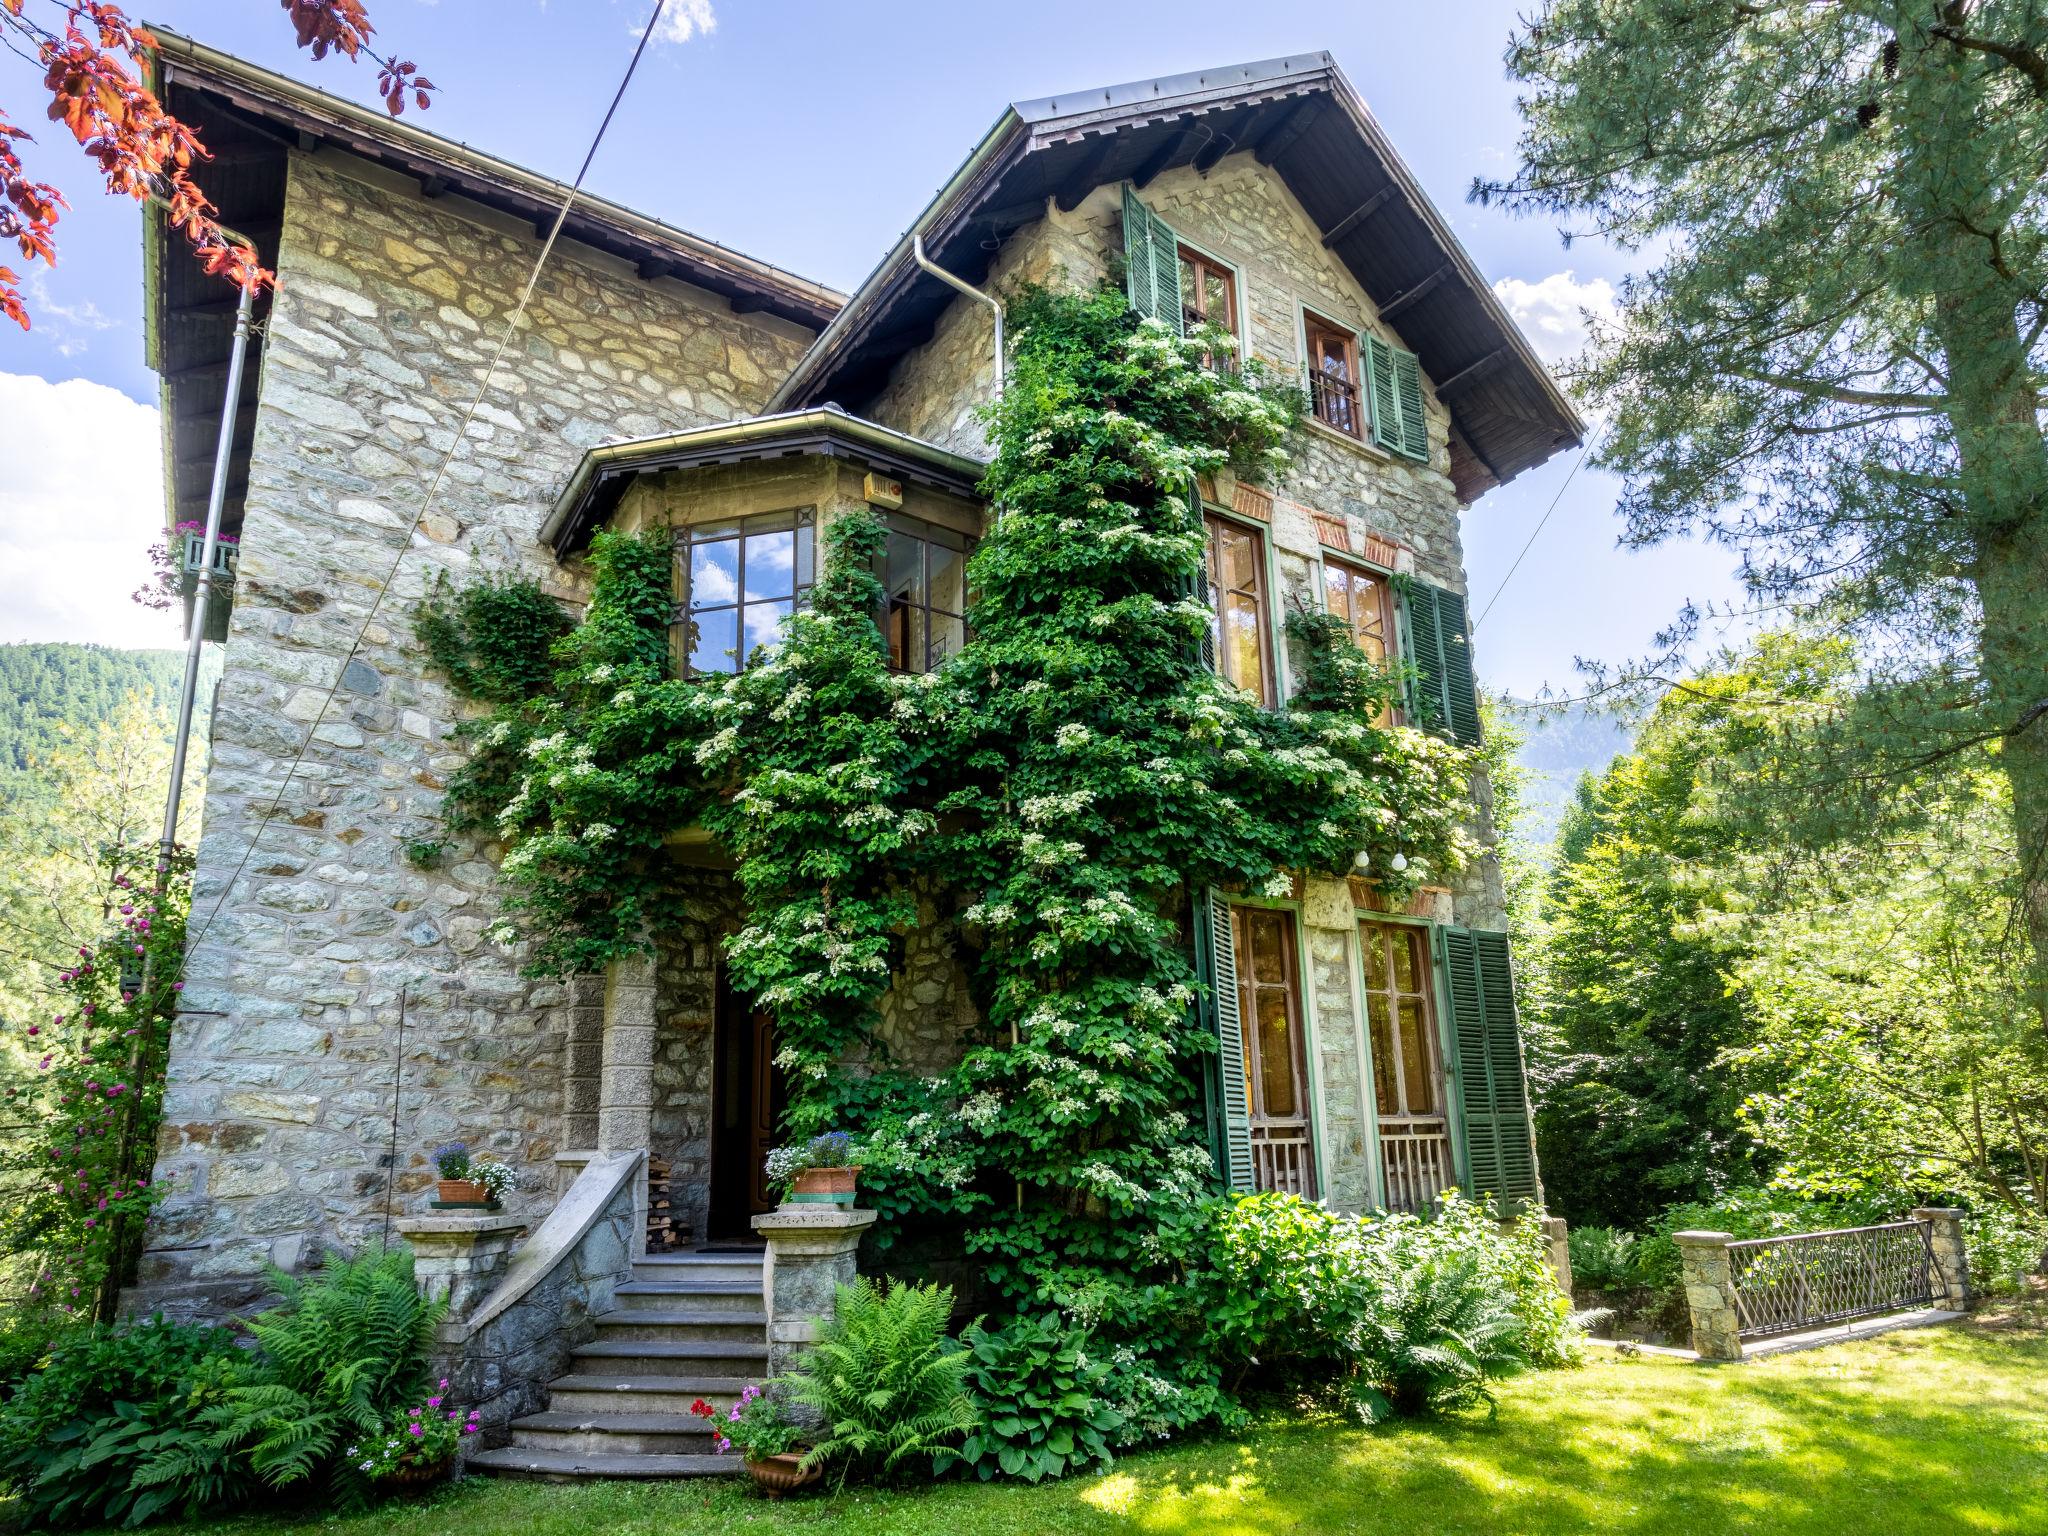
(810, 134)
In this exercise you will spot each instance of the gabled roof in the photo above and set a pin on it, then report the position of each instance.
(604, 473)
(1298, 115)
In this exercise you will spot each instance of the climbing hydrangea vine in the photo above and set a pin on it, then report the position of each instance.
(1070, 781)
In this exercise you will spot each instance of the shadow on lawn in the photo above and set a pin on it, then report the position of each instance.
(1915, 1434)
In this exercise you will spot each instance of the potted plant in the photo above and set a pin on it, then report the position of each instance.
(414, 1447)
(471, 1181)
(819, 1171)
(770, 1445)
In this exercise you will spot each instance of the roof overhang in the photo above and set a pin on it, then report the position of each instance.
(1302, 117)
(602, 477)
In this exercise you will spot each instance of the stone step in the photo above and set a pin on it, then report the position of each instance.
(573, 1466)
(682, 1326)
(715, 1268)
(687, 1295)
(661, 1357)
(600, 1393)
(614, 1434)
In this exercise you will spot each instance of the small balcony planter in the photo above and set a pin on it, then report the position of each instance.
(824, 1185)
(226, 552)
(464, 1192)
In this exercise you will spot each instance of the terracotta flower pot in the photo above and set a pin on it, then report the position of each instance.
(415, 1474)
(777, 1475)
(833, 1184)
(464, 1192)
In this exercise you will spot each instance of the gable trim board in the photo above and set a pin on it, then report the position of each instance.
(1298, 115)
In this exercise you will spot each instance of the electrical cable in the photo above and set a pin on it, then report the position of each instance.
(1584, 454)
(434, 486)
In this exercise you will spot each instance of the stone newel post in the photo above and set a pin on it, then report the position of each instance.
(810, 1252)
(1951, 1275)
(1710, 1293)
(459, 1257)
(1558, 1250)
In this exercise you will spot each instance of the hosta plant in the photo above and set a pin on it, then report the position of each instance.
(1041, 1396)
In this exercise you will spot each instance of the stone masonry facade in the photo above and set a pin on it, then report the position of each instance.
(278, 1115)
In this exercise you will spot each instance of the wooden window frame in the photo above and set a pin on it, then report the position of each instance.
(1390, 618)
(911, 526)
(1416, 1155)
(1291, 986)
(802, 521)
(1268, 691)
(1314, 323)
(1204, 263)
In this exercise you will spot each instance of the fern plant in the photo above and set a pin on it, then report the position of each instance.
(1439, 1332)
(345, 1348)
(885, 1380)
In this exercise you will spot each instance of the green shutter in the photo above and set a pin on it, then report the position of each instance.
(1198, 585)
(1408, 390)
(1445, 697)
(1216, 967)
(1399, 423)
(1500, 1152)
(1151, 262)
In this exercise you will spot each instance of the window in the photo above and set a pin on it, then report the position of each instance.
(1237, 599)
(1275, 1056)
(1208, 295)
(924, 580)
(1333, 376)
(736, 580)
(1407, 1067)
(1365, 602)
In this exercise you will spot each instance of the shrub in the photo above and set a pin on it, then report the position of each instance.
(2005, 1250)
(420, 1438)
(106, 1428)
(1395, 1314)
(344, 1351)
(1040, 1397)
(1605, 1258)
(885, 1380)
(1750, 1211)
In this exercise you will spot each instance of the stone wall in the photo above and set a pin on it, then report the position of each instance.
(278, 1112)
(704, 908)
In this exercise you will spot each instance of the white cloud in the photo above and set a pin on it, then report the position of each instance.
(682, 20)
(64, 326)
(81, 499)
(1554, 311)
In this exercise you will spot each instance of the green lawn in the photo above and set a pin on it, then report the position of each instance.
(1937, 1430)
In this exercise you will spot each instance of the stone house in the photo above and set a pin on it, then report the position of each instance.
(344, 1011)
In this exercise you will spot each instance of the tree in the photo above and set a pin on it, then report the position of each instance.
(1836, 363)
(92, 64)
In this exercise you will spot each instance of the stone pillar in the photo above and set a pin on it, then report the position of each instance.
(1710, 1293)
(810, 1253)
(582, 1062)
(626, 1079)
(1951, 1275)
(460, 1258)
(1558, 1251)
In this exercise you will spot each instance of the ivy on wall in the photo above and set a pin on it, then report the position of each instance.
(1068, 779)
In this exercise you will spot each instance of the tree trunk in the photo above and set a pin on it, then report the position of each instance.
(1955, 210)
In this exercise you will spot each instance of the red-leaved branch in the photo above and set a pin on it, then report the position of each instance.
(93, 60)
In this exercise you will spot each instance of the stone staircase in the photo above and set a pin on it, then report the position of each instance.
(688, 1325)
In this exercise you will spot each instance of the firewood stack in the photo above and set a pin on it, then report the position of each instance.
(664, 1233)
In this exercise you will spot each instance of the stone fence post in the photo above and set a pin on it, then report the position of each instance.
(459, 1258)
(1559, 1252)
(810, 1253)
(1951, 1275)
(1710, 1293)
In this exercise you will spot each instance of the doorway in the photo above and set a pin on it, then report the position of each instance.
(748, 1096)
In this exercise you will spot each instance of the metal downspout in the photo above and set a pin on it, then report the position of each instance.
(994, 304)
(203, 593)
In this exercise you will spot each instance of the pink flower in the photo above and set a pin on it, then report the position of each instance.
(433, 1402)
(414, 1428)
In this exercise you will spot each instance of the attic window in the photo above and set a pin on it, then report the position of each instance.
(736, 580)
(1208, 294)
(1333, 376)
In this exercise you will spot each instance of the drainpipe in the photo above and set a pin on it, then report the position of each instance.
(202, 596)
(994, 304)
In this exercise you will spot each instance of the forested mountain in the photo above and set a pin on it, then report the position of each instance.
(43, 687)
(1562, 743)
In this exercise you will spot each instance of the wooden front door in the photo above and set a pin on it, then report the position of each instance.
(748, 1096)
(1275, 1054)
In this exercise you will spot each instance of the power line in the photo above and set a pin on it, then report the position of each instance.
(1584, 454)
(434, 486)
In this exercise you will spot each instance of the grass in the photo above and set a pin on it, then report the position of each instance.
(1935, 1430)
